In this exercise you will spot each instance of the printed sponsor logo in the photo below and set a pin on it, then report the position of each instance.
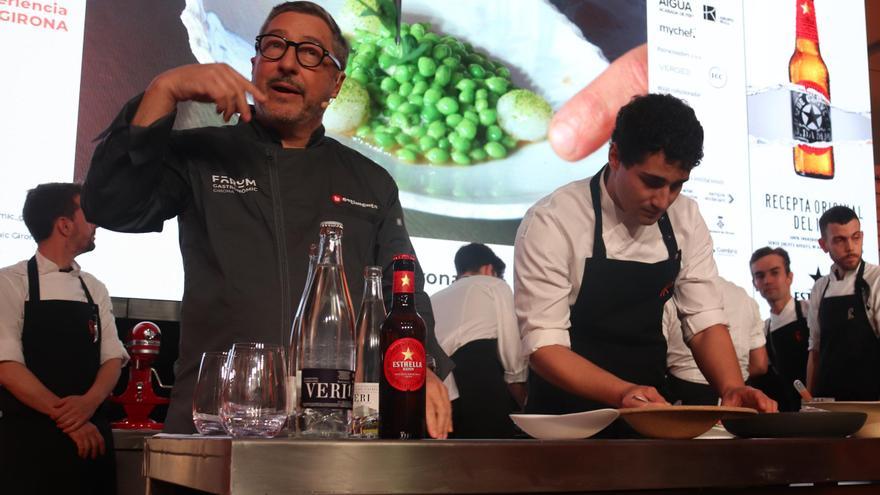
(339, 199)
(677, 31)
(405, 364)
(676, 7)
(225, 184)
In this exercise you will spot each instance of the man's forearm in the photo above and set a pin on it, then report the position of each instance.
(26, 387)
(108, 375)
(716, 357)
(575, 374)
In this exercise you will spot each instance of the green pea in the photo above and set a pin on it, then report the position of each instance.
(476, 70)
(472, 116)
(419, 87)
(482, 94)
(402, 139)
(460, 158)
(441, 51)
(466, 96)
(394, 100)
(405, 89)
(447, 105)
(418, 30)
(362, 60)
(367, 50)
(384, 140)
(437, 155)
(433, 95)
(478, 155)
(495, 150)
(481, 105)
(488, 116)
(459, 142)
(408, 108)
(416, 99)
(416, 131)
(389, 85)
(427, 66)
(406, 155)
(430, 113)
(497, 85)
(467, 129)
(442, 76)
(453, 119)
(418, 78)
(466, 85)
(432, 37)
(403, 73)
(426, 143)
(452, 61)
(508, 141)
(494, 133)
(444, 144)
(399, 119)
(360, 75)
(386, 61)
(437, 129)
(503, 72)
(362, 131)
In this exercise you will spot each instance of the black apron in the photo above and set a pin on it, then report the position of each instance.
(849, 350)
(787, 351)
(689, 393)
(484, 402)
(616, 321)
(61, 343)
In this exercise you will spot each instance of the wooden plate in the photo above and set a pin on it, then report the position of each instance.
(679, 422)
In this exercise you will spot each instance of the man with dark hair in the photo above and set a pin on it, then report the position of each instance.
(476, 326)
(786, 330)
(250, 197)
(596, 261)
(60, 357)
(844, 360)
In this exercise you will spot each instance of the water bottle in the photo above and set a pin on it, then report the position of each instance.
(294, 378)
(365, 423)
(327, 348)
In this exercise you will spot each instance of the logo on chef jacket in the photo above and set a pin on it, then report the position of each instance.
(339, 199)
(667, 290)
(226, 184)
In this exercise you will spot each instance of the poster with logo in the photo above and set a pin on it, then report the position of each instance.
(783, 144)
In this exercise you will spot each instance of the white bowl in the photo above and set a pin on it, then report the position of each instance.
(565, 426)
(871, 429)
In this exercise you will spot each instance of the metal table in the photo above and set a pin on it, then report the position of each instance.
(222, 465)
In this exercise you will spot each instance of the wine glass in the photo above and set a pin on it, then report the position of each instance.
(206, 398)
(253, 394)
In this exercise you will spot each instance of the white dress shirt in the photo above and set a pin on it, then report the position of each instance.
(54, 285)
(787, 315)
(844, 287)
(479, 307)
(746, 331)
(556, 237)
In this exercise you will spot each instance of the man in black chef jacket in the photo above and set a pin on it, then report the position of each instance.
(786, 330)
(596, 260)
(844, 360)
(250, 197)
(59, 357)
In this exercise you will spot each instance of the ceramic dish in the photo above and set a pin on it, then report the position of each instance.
(565, 426)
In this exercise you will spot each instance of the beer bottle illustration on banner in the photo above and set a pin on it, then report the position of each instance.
(327, 350)
(811, 103)
(402, 388)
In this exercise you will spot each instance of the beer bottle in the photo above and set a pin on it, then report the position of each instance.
(402, 388)
(811, 103)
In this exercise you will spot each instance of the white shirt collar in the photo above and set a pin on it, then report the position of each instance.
(45, 265)
(611, 213)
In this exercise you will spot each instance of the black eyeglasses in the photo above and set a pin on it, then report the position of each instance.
(308, 54)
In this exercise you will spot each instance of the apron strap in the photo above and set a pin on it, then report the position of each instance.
(96, 313)
(596, 196)
(33, 279)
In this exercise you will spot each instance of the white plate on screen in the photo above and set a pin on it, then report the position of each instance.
(547, 55)
(565, 426)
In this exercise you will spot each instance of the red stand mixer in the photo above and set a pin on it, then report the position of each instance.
(139, 399)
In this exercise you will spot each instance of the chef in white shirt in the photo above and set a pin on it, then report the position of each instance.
(844, 361)
(786, 330)
(597, 259)
(684, 381)
(476, 326)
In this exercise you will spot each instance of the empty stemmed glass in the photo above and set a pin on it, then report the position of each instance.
(253, 394)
